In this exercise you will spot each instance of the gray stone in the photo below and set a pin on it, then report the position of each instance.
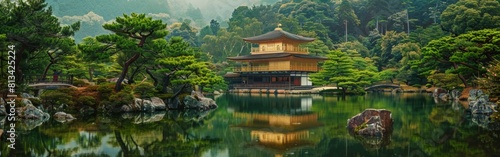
(140, 105)
(444, 96)
(377, 121)
(31, 112)
(455, 94)
(198, 101)
(26, 95)
(3, 111)
(479, 102)
(139, 118)
(31, 117)
(201, 103)
(26, 101)
(372, 127)
(158, 104)
(63, 117)
(437, 92)
(149, 118)
(133, 107)
(217, 93)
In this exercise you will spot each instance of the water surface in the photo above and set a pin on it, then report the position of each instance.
(268, 125)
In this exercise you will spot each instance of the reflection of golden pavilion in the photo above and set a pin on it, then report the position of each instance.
(280, 132)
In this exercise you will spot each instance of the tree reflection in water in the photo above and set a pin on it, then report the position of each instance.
(115, 136)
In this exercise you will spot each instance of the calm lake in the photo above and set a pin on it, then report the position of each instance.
(259, 125)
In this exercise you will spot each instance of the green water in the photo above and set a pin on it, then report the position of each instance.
(267, 125)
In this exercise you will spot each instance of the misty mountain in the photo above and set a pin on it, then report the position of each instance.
(94, 13)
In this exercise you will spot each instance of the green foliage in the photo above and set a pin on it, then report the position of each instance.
(463, 55)
(39, 39)
(347, 70)
(104, 91)
(469, 15)
(446, 81)
(422, 36)
(79, 83)
(354, 45)
(100, 80)
(145, 90)
(135, 36)
(35, 101)
(87, 101)
(491, 79)
(187, 70)
(121, 98)
(57, 97)
(388, 74)
(345, 12)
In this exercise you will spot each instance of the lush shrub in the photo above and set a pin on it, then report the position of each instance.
(56, 97)
(165, 96)
(491, 80)
(70, 91)
(445, 80)
(416, 85)
(357, 91)
(145, 90)
(35, 101)
(121, 98)
(104, 91)
(79, 83)
(91, 88)
(100, 80)
(428, 85)
(87, 101)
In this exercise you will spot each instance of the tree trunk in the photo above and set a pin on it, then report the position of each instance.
(134, 73)
(179, 92)
(119, 139)
(166, 82)
(91, 72)
(461, 76)
(18, 72)
(118, 86)
(46, 70)
(155, 80)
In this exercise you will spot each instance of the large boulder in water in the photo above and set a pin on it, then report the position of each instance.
(198, 101)
(32, 117)
(438, 91)
(373, 127)
(31, 112)
(139, 118)
(154, 104)
(63, 117)
(479, 102)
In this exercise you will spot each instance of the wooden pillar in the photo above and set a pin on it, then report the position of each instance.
(289, 83)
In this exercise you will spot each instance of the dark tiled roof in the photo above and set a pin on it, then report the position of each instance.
(277, 33)
(274, 55)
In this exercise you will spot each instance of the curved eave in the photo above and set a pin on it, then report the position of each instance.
(273, 56)
(278, 34)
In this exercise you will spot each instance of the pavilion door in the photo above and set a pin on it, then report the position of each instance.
(296, 81)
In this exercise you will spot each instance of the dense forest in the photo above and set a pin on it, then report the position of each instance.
(93, 14)
(449, 43)
(445, 43)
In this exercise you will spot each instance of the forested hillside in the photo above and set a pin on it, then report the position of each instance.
(445, 43)
(414, 42)
(94, 13)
